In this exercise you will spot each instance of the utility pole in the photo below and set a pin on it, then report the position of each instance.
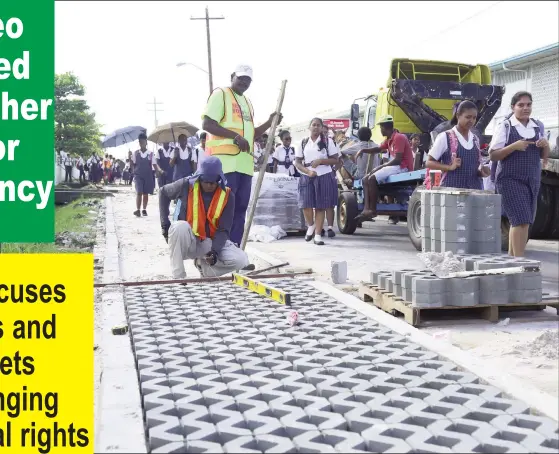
(154, 103)
(208, 19)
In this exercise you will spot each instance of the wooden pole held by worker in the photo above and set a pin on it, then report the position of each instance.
(269, 145)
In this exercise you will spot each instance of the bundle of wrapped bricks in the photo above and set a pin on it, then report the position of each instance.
(277, 203)
(422, 288)
(460, 221)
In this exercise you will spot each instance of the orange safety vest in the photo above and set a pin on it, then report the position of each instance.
(233, 121)
(196, 213)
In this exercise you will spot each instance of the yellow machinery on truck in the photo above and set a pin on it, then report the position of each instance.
(419, 95)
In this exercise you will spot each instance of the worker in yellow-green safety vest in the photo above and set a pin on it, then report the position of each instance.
(229, 121)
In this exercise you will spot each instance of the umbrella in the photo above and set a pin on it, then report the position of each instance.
(122, 136)
(170, 132)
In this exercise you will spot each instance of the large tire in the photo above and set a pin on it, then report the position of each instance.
(553, 230)
(346, 213)
(414, 217)
(544, 213)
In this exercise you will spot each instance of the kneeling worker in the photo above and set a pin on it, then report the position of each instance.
(202, 222)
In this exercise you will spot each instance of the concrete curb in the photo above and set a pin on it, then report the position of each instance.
(119, 425)
(540, 401)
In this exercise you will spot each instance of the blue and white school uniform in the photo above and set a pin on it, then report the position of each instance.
(183, 165)
(163, 161)
(518, 176)
(285, 157)
(466, 176)
(320, 192)
(143, 171)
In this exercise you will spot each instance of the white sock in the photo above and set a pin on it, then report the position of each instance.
(329, 227)
(310, 230)
(318, 237)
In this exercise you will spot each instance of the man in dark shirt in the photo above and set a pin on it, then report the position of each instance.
(201, 223)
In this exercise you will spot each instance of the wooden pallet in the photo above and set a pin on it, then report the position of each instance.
(394, 305)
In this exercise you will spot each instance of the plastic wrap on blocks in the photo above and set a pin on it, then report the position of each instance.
(278, 202)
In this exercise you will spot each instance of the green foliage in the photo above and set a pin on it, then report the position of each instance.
(76, 130)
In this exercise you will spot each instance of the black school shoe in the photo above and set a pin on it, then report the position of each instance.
(144, 213)
(137, 213)
(319, 243)
(331, 233)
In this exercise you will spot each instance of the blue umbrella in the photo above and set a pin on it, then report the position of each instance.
(122, 136)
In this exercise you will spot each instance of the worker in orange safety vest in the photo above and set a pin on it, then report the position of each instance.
(201, 223)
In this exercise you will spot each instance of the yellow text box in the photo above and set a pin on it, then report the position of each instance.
(46, 383)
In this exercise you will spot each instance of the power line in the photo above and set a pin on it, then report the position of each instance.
(460, 23)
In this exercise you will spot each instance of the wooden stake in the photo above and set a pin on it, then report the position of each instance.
(269, 145)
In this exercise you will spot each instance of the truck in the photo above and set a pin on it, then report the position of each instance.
(419, 95)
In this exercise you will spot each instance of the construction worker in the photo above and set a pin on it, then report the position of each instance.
(202, 222)
(229, 121)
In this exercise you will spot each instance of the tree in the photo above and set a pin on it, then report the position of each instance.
(76, 130)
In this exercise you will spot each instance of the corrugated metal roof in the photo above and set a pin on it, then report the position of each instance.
(527, 57)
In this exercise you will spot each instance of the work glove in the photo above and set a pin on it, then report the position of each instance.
(165, 233)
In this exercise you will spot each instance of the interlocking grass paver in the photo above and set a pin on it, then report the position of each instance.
(220, 370)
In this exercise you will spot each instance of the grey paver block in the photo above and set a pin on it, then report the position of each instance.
(430, 299)
(429, 285)
(223, 375)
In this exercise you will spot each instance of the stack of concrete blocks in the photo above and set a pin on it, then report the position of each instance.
(423, 289)
(465, 222)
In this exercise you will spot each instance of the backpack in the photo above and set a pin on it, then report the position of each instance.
(453, 140)
(507, 124)
(323, 140)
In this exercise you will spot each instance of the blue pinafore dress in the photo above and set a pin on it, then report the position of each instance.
(466, 176)
(164, 164)
(517, 179)
(143, 174)
(183, 167)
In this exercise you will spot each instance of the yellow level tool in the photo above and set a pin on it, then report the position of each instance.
(262, 289)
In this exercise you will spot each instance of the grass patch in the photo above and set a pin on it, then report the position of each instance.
(74, 218)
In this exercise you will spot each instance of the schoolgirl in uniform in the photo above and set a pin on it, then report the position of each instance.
(144, 165)
(318, 188)
(457, 152)
(517, 146)
(183, 161)
(284, 156)
(163, 157)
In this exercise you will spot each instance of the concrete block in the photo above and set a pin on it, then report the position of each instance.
(426, 232)
(397, 275)
(435, 220)
(398, 290)
(436, 199)
(463, 285)
(390, 285)
(488, 284)
(525, 296)
(456, 248)
(429, 299)
(483, 265)
(382, 281)
(429, 285)
(339, 272)
(487, 247)
(484, 224)
(454, 222)
(425, 244)
(464, 299)
(375, 275)
(454, 236)
(407, 294)
(458, 211)
(500, 297)
(525, 281)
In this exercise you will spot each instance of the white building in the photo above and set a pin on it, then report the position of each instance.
(536, 72)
